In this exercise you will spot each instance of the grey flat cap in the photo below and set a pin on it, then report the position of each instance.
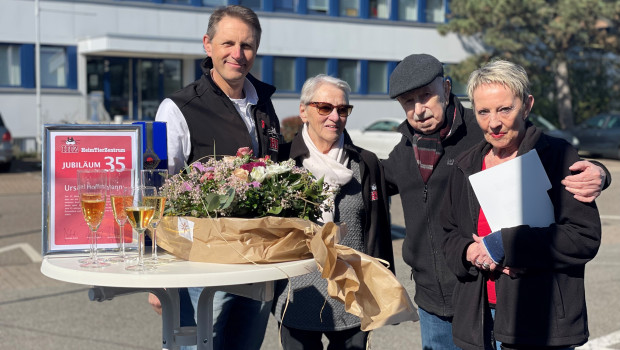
(414, 72)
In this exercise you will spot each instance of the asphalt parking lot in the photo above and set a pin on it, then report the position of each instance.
(40, 313)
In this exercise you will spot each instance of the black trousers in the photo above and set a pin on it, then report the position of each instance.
(348, 339)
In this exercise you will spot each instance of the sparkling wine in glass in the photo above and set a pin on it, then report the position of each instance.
(120, 184)
(139, 215)
(156, 178)
(92, 188)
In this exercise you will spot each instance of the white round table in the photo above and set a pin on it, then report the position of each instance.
(253, 281)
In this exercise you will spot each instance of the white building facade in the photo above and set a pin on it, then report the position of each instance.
(102, 59)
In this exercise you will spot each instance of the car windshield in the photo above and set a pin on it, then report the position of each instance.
(541, 122)
(383, 125)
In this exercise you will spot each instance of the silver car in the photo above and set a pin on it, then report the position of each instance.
(380, 137)
(6, 147)
(600, 135)
(551, 130)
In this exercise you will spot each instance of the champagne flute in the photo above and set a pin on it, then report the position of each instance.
(156, 178)
(120, 183)
(92, 188)
(139, 215)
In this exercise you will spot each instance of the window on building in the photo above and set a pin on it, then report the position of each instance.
(379, 9)
(348, 71)
(408, 10)
(172, 76)
(284, 73)
(54, 66)
(315, 66)
(180, 2)
(10, 69)
(253, 4)
(435, 11)
(377, 77)
(214, 3)
(318, 6)
(350, 8)
(257, 68)
(286, 5)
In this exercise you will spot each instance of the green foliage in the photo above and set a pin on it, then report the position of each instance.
(540, 35)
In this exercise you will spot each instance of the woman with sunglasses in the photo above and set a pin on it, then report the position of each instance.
(324, 147)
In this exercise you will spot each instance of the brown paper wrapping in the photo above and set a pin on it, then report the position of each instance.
(366, 287)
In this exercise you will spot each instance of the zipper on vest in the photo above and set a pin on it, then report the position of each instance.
(425, 192)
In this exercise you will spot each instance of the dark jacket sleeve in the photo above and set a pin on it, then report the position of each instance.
(378, 232)
(389, 167)
(456, 236)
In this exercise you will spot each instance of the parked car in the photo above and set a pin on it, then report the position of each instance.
(6, 147)
(550, 129)
(380, 137)
(600, 135)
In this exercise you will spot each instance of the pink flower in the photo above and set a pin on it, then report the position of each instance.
(207, 176)
(199, 166)
(244, 151)
(250, 166)
(255, 184)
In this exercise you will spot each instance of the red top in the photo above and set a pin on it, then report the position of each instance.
(483, 230)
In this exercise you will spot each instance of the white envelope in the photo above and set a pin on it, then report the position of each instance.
(515, 193)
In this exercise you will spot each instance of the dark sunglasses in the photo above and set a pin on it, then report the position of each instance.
(325, 108)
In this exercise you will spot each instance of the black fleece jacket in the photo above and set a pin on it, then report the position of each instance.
(544, 306)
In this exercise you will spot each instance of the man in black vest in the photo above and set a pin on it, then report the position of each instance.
(224, 110)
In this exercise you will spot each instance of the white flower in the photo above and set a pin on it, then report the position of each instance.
(258, 174)
(275, 169)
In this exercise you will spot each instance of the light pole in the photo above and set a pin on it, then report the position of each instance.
(37, 74)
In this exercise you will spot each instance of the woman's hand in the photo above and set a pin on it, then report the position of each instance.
(478, 256)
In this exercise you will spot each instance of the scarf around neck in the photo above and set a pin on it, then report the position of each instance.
(331, 166)
(428, 148)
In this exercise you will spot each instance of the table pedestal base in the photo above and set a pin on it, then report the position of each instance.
(173, 335)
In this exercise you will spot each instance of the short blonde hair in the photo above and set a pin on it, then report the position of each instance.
(506, 73)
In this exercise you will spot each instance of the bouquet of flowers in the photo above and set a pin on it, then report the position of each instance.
(245, 187)
(240, 209)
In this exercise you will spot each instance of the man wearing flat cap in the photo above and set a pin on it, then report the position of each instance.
(437, 130)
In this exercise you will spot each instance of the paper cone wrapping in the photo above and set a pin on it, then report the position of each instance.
(367, 288)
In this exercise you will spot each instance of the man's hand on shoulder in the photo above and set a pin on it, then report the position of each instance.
(587, 183)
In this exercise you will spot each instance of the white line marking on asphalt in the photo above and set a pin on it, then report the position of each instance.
(26, 248)
(610, 217)
(602, 343)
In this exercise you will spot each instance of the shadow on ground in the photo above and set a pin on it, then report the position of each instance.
(25, 165)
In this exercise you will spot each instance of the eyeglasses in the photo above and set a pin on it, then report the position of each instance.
(325, 108)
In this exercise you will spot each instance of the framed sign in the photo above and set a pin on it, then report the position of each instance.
(67, 149)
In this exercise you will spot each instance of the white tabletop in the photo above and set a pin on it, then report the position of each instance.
(177, 274)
